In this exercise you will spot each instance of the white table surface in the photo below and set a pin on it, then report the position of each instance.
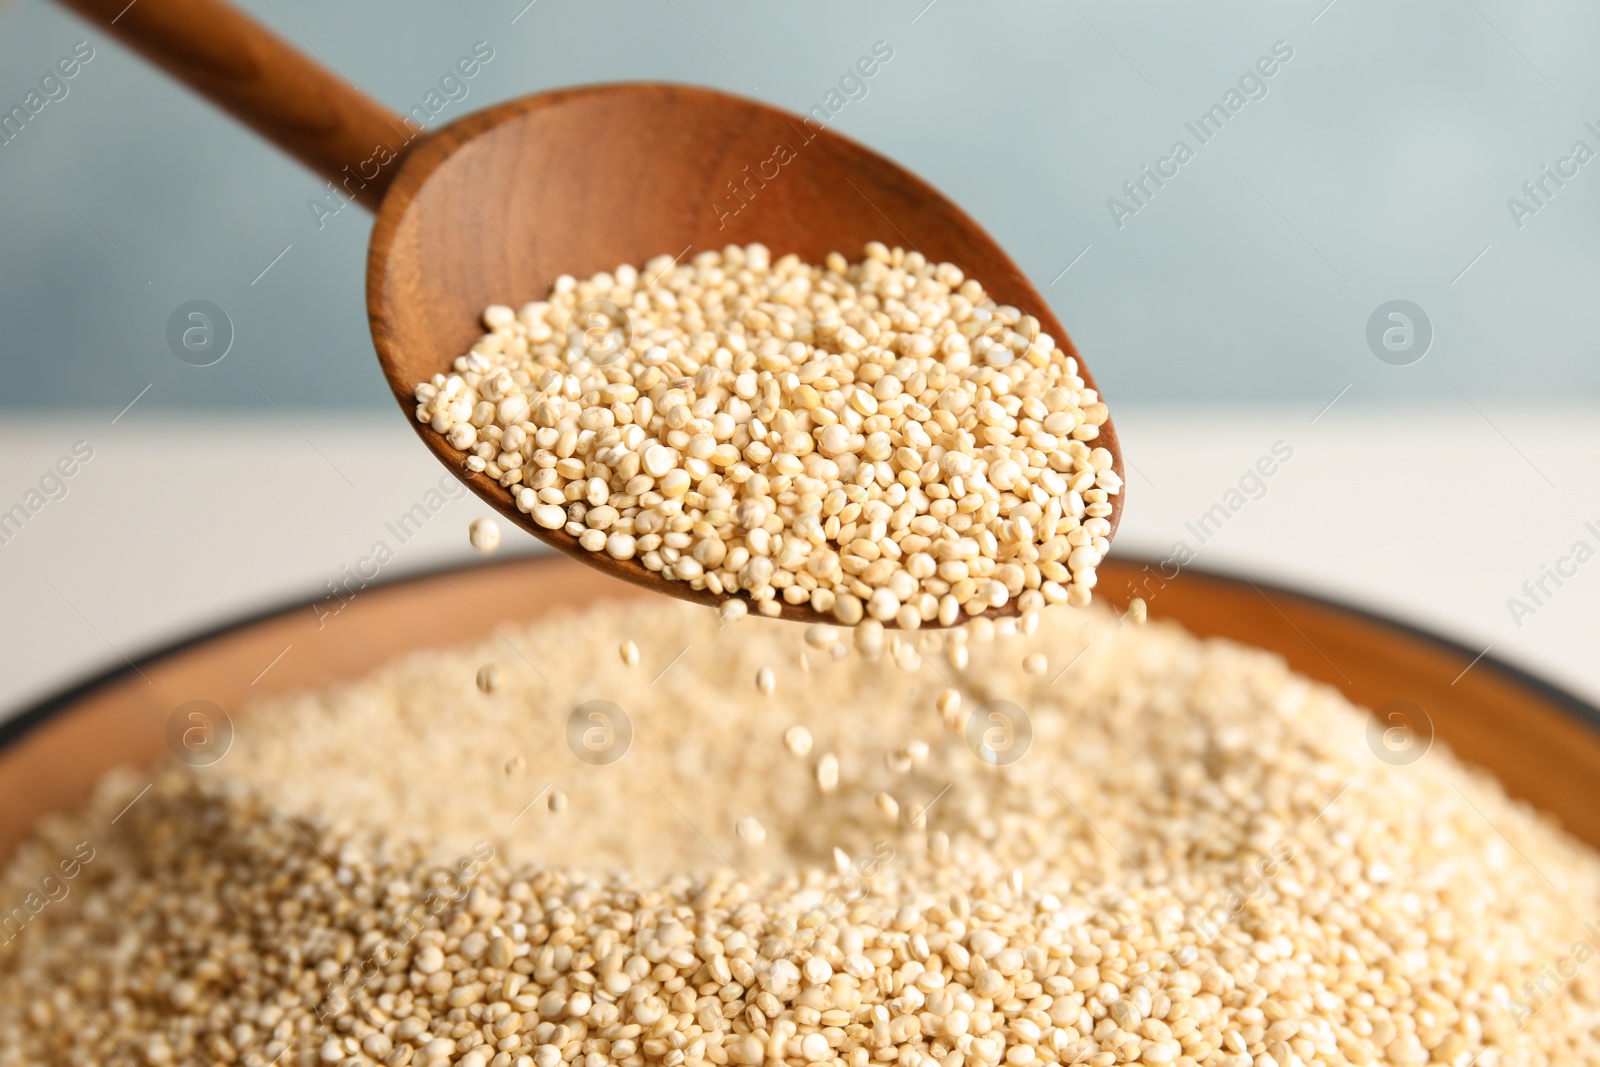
(180, 523)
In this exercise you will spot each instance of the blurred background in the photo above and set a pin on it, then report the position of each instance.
(1375, 250)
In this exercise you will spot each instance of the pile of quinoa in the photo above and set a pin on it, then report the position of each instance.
(749, 848)
(878, 438)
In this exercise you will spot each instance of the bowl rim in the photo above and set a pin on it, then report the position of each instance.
(35, 715)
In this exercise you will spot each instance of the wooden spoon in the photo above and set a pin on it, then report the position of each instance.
(491, 208)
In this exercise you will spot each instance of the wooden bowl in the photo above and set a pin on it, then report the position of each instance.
(1542, 743)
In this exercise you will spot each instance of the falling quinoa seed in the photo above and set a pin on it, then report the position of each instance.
(797, 739)
(488, 678)
(484, 533)
(750, 830)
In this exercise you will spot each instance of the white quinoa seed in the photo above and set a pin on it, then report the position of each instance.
(797, 739)
(873, 439)
(1137, 611)
(750, 830)
(821, 637)
(488, 678)
(484, 533)
(1199, 861)
(948, 705)
(629, 653)
(766, 681)
(828, 772)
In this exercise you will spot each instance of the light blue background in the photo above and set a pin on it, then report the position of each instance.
(1377, 167)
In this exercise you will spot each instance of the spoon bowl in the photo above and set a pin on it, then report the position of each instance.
(496, 205)
(492, 208)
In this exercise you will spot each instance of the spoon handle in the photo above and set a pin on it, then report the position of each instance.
(305, 109)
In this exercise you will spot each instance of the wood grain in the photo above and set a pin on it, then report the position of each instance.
(309, 111)
(1543, 745)
(495, 206)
